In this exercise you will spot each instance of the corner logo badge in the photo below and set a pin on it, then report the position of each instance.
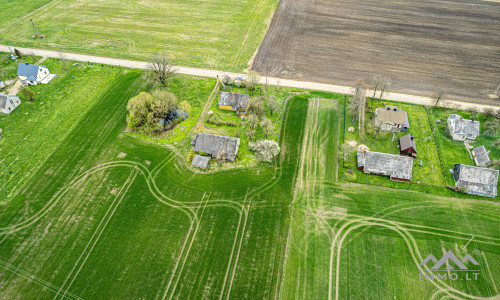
(447, 257)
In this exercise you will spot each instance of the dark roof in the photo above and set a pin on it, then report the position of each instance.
(392, 115)
(463, 126)
(396, 166)
(407, 142)
(481, 155)
(214, 144)
(479, 181)
(25, 69)
(233, 100)
(201, 161)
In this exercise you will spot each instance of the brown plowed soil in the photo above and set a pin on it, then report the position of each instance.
(422, 46)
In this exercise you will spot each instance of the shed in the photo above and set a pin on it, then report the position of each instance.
(477, 181)
(481, 156)
(215, 145)
(397, 167)
(200, 161)
(407, 146)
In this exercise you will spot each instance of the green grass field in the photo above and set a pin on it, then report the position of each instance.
(109, 215)
(222, 35)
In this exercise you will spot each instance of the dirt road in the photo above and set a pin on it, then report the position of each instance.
(270, 80)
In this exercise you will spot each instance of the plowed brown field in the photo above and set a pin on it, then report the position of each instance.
(422, 46)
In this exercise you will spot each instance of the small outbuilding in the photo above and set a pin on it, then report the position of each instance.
(390, 118)
(407, 146)
(8, 103)
(200, 161)
(397, 167)
(216, 145)
(481, 156)
(462, 129)
(234, 101)
(475, 180)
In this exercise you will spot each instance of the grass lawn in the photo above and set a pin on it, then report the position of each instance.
(108, 215)
(33, 131)
(208, 33)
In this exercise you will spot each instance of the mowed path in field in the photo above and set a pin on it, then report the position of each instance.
(423, 47)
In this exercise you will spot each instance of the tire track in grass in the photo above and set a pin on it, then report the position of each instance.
(98, 232)
(243, 215)
(32, 278)
(196, 221)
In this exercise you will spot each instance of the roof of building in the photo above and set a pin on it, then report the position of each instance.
(233, 99)
(407, 142)
(480, 181)
(481, 155)
(392, 115)
(25, 69)
(4, 98)
(201, 161)
(396, 166)
(464, 126)
(214, 144)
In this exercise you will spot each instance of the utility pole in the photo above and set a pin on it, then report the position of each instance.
(34, 29)
(112, 40)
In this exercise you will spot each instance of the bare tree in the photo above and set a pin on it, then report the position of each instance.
(386, 84)
(273, 104)
(438, 96)
(161, 68)
(376, 82)
(252, 80)
(267, 127)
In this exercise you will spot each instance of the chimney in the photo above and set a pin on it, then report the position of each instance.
(27, 63)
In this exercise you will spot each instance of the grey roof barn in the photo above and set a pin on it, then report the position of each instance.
(462, 129)
(477, 181)
(214, 144)
(201, 161)
(397, 167)
(234, 100)
(481, 156)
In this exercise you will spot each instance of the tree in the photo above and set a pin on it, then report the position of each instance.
(226, 80)
(489, 112)
(256, 106)
(185, 106)
(386, 84)
(438, 96)
(267, 127)
(250, 133)
(273, 104)
(252, 120)
(252, 80)
(165, 104)
(161, 68)
(27, 93)
(140, 110)
(491, 127)
(473, 112)
(265, 151)
(18, 53)
(376, 82)
(377, 128)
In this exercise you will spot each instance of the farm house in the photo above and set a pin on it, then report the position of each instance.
(390, 118)
(216, 145)
(233, 101)
(8, 103)
(34, 74)
(462, 129)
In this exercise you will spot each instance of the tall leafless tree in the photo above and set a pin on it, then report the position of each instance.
(161, 68)
(385, 85)
(438, 97)
(376, 82)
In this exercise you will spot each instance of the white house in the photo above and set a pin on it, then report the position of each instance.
(462, 129)
(8, 103)
(34, 74)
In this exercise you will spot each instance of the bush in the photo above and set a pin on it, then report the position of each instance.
(27, 93)
(190, 155)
